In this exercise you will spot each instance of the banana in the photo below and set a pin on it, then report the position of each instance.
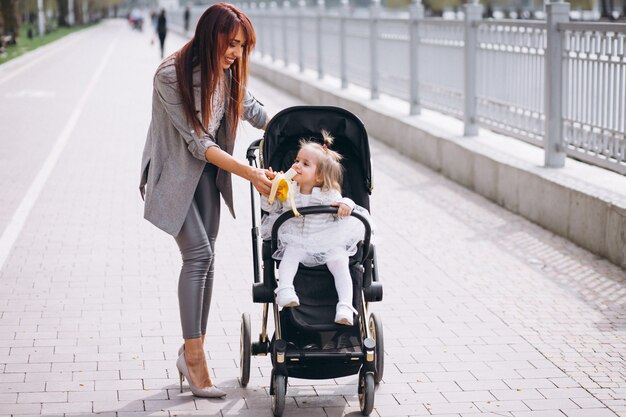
(281, 189)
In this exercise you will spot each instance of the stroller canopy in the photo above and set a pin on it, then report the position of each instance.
(282, 140)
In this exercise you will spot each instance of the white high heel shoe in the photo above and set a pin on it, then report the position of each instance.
(183, 372)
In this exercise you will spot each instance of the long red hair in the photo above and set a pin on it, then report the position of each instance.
(217, 26)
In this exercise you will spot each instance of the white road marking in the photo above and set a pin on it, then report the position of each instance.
(41, 57)
(31, 94)
(14, 227)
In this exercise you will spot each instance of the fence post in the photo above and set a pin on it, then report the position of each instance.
(318, 33)
(416, 11)
(554, 152)
(285, 18)
(271, 14)
(264, 27)
(374, 17)
(258, 22)
(343, 59)
(301, 6)
(473, 12)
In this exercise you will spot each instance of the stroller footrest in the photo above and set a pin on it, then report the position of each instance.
(323, 355)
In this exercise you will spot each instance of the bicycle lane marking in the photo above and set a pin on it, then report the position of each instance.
(14, 227)
(37, 55)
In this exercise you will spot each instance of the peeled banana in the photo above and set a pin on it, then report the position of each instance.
(281, 189)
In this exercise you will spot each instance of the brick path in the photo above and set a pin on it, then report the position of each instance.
(484, 313)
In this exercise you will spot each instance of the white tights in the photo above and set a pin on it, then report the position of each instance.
(337, 265)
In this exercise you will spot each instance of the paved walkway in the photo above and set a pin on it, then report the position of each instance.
(484, 313)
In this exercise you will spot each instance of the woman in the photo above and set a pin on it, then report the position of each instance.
(161, 30)
(199, 96)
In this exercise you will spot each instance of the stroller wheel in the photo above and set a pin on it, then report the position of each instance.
(245, 347)
(376, 330)
(366, 392)
(279, 389)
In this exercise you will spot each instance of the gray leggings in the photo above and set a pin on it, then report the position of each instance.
(196, 241)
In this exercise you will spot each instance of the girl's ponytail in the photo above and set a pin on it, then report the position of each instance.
(327, 139)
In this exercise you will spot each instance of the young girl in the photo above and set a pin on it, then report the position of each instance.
(316, 239)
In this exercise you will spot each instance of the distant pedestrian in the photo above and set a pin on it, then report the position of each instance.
(154, 18)
(186, 16)
(161, 30)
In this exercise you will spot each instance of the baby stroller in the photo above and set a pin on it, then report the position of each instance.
(306, 342)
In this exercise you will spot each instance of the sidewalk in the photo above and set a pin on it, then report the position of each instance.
(485, 313)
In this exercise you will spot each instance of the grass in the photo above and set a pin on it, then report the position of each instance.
(25, 45)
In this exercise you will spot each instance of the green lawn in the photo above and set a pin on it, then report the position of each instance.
(24, 44)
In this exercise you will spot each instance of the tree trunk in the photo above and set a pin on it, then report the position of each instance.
(606, 9)
(62, 10)
(78, 12)
(9, 16)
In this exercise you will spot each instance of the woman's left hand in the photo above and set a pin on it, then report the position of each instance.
(343, 211)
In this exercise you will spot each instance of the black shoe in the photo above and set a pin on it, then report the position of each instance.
(329, 345)
(344, 341)
(311, 346)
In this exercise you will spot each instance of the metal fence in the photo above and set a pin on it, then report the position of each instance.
(510, 81)
(594, 77)
(552, 83)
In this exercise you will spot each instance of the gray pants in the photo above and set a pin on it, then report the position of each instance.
(196, 242)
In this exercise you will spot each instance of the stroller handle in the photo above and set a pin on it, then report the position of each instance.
(252, 148)
(322, 210)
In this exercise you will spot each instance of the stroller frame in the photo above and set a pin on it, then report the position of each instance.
(366, 360)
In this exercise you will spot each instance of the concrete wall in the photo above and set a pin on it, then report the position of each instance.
(582, 203)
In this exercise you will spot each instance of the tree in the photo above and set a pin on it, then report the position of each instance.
(8, 10)
(78, 12)
(606, 9)
(63, 8)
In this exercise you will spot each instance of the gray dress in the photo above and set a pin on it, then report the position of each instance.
(174, 155)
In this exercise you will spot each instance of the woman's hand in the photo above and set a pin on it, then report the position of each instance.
(344, 210)
(260, 179)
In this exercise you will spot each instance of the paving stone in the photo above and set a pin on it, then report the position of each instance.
(108, 385)
(8, 399)
(65, 407)
(22, 387)
(21, 409)
(589, 412)
(93, 396)
(551, 404)
(118, 406)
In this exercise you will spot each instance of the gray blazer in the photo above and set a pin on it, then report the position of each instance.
(174, 155)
